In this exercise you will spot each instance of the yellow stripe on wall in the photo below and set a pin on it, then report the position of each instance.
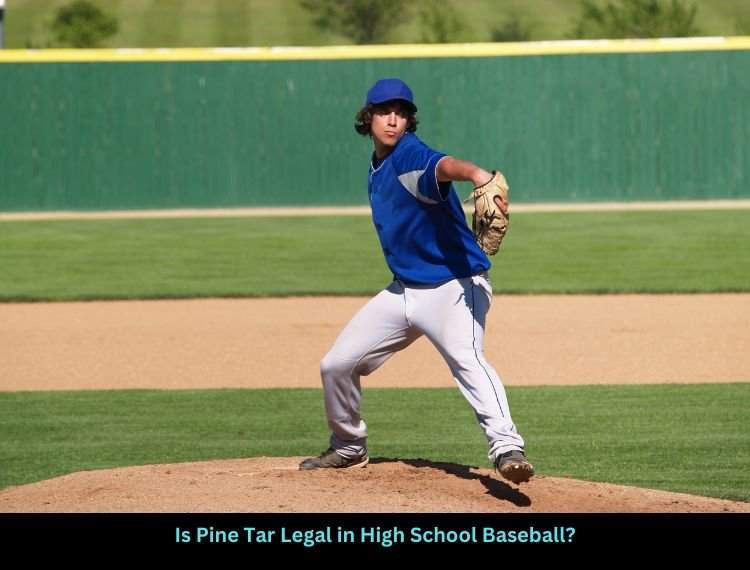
(377, 52)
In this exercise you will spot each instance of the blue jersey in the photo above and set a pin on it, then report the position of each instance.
(420, 222)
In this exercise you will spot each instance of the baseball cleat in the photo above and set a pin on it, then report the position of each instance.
(514, 466)
(330, 459)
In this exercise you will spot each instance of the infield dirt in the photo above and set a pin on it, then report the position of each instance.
(248, 343)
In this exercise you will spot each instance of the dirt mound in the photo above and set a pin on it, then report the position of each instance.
(275, 485)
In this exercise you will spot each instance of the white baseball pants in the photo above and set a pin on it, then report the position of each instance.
(452, 316)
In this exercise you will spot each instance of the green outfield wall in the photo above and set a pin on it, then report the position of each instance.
(109, 130)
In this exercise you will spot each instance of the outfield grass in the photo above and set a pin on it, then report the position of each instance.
(592, 252)
(655, 436)
(198, 23)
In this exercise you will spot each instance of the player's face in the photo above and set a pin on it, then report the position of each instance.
(389, 122)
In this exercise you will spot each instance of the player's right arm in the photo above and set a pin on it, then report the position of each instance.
(456, 170)
(451, 169)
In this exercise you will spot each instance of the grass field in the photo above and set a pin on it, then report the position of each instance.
(591, 252)
(571, 431)
(636, 435)
(200, 23)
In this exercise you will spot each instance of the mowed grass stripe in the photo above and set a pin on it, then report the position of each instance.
(160, 24)
(682, 438)
(589, 252)
(30, 23)
(197, 23)
(130, 16)
(686, 251)
(231, 23)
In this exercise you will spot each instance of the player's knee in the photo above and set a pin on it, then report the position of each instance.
(337, 365)
(330, 366)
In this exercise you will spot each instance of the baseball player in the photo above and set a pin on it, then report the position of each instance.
(440, 288)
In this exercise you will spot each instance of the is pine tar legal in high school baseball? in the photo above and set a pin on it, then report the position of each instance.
(384, 537)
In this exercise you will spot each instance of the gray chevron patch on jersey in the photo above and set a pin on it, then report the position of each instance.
(410, 181)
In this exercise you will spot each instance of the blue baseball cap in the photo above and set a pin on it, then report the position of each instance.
(388, 90)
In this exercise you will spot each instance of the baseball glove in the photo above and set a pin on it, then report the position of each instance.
(489, 223)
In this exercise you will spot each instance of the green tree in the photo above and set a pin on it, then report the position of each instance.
(635, 19)
(441, 22)
(511, 30)
(362, 21)
(82, 24)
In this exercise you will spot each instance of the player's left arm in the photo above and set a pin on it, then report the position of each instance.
(451, 169)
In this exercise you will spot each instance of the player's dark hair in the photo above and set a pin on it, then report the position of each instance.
(363, 124)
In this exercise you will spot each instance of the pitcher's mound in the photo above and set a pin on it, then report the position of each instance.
(275, 485)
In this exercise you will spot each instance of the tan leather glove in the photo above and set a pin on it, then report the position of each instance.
(489, 223)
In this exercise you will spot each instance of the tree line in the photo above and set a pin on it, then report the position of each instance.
(82, 24)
